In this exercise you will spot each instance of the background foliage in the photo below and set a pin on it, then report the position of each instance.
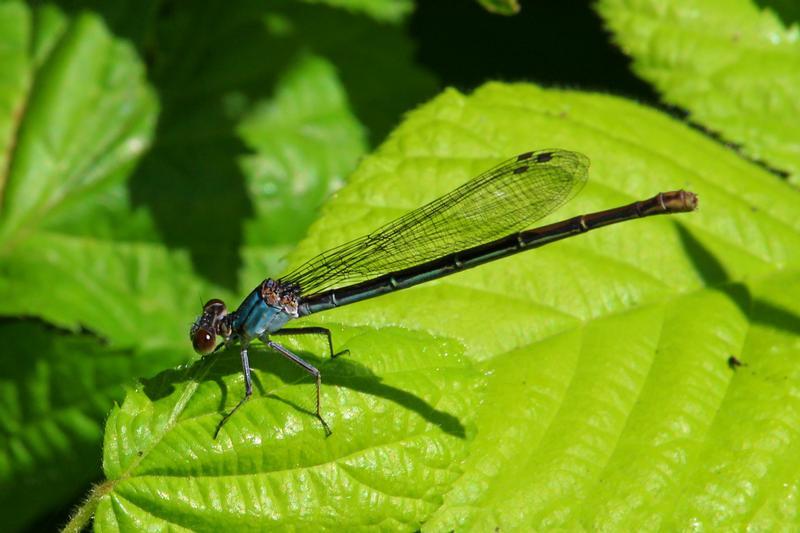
(156, 154)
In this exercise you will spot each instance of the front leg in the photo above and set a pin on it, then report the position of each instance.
(248, 389)
(313, 330)
(308, 368)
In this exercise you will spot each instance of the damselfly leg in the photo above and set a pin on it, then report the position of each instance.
(248, 389)
(313, 330)
(308, 368)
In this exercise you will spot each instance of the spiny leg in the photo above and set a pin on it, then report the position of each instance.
(308, 368)
(313, 330)
(248, 389)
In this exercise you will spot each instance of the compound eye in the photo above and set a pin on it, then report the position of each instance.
(203, 341)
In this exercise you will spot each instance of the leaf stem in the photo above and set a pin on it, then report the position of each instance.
(83, 515)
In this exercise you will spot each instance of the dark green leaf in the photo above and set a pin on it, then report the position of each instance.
(55, 389)
(387, 10)
(501, 7)
(287, 70)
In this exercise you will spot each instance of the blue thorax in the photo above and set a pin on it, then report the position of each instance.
(265, 310)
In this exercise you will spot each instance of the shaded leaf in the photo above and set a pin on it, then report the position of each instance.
(387, 10)
(211, 161)
(501, 7)
(305, 142)
(55, 389)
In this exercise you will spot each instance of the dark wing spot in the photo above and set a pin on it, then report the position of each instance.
(523, 157)
(544, 157)
(520, 170)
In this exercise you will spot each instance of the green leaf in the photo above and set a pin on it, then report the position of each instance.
(383, 79)
(385, 10)
(67, 133)
(407, 395)
(305, 142)
(242, 111)
(133, 294)
(76, 114)
(735, 66)
(501, 7)
(114, 276)
(55, 389)
(84, 115)
(582, 386)
(246, 108)
(13, 79)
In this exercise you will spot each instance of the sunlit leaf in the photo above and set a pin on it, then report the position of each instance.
(734, 65)
(584, 385)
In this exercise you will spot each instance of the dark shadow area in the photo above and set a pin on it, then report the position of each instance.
(190, 180)
(341, 372)
(711, 271)
(561, 44)
(778, 317)
(130, 20)
(344, 372)
(555, 44)
(716, 277)
(213, 367)
(788, 11)
(739, 294)
(210, 65)
(44, 371)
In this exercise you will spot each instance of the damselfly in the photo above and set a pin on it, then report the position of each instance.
(480, 221)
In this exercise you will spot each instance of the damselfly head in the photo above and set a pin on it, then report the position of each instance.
(208, 325)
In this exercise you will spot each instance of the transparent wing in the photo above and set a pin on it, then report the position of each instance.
(503, 200)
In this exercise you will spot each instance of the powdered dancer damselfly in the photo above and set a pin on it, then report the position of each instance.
(480, 221)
